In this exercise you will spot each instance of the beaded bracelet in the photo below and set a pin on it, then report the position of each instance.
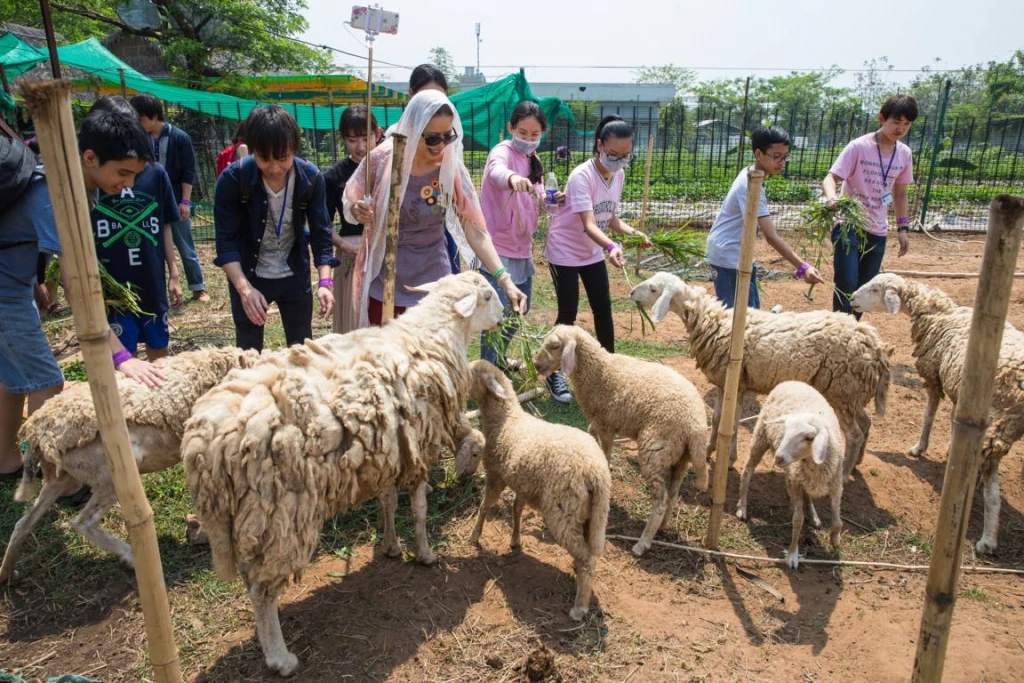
(327, 282)
(120, 357)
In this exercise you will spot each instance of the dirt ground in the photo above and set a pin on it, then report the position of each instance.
(488, 614)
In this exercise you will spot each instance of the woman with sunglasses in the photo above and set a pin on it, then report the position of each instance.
(578, 237)
(437, 197)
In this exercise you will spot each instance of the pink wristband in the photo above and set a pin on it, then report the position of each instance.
(120, 357)
(802, 270)
(327, 282)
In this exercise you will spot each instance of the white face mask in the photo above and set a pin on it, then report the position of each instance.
(612, 166)
(524, 146)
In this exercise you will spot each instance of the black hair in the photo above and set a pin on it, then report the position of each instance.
(113, 103)
(525, 110)
(424, 75)
(113, 135)
(148, 105)
(766, 136)
(272, 133)
(444, 110)
(612, 126)
(353, 121)
(899, 106)
(239, 135)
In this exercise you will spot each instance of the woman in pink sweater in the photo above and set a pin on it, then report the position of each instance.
(512, 185)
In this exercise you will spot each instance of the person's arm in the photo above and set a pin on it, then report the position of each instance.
(611, 249)
(830, 188)
(321, 241)
(227, 223)
(499, 173)
(174, 293)
(899, 200)
(620, 226)
(772, 237)
(136, 368)
(187, 168)
(354, 208)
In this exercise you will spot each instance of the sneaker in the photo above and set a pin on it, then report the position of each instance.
(558, 387)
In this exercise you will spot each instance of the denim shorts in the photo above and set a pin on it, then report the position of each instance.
(26, 362)
(130, 329)
(725, 286)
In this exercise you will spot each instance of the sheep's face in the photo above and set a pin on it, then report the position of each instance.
(655, 294)
(803, 436)
(877, 296)
(472, 298)
(557, 353)
(488, 379)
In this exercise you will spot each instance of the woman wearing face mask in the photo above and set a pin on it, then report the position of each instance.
(578, 241)
(437, 197)
(512, 183)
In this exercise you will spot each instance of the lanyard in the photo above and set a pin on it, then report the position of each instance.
(284, 205)
(885, 173)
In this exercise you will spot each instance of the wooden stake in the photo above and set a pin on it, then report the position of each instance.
(391, 240)
(124, 86)
(647, 194)
(727, 420)
(50, 105)
(970, 419)
(369, 117)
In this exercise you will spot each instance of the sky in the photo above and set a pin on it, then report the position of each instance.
(557, 40)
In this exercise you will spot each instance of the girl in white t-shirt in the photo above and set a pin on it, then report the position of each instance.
(578, 242)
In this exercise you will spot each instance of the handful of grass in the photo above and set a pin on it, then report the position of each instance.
(678, 245)
(117, 297)
(526, 339)
(818, 221)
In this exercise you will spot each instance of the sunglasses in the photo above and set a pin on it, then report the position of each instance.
(435, 139)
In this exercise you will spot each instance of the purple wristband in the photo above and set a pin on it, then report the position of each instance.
(185, 202)
(903, 220)
(120, 357)
(612, 246)
(327, 282)
(802, 270)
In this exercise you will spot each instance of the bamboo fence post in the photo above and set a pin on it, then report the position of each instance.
(970, 419)
(391, 240)
(50, 105)
(727, 419)
(646, 196)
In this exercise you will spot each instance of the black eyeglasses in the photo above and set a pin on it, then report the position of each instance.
(435, 139)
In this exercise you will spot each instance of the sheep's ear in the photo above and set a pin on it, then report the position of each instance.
(425, 287)
(494, 386)
(466, 305)
(892, 300)
(569, 357)
(819, 447)
(660, 308)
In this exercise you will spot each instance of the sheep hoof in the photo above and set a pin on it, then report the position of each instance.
(284, 666)
(815, 522)
(9, 578)
(792, 559)
(427, 559)
(393, 551)
(917, 451)
(985, 546)
(577, 613)
(836, 537)
(641, 547)
(741, 514)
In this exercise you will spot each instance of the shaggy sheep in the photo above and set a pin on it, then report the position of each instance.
(648, 402)
(800, 427)
(556, 469)
(277, 449)
(845, 360)
(64, 440)
(939, 329)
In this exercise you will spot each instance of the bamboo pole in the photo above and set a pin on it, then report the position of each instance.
(124, 86)
(369, 115)
(50, 105)
(646, 197)
(939, 273)
(970, 418)
(727, 418)
(391, 240)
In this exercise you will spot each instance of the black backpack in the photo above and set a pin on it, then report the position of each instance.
(17, 167)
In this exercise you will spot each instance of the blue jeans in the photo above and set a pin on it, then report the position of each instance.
(725, 287)
(26, 362)
(853, 268)
(182, 232)
(488, 352)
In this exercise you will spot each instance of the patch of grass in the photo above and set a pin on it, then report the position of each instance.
(74, 371)
(639, 348)
(976, 594)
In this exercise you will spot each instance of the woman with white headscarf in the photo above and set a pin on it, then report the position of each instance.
(437, 195)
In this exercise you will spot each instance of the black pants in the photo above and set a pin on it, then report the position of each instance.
(595, 282)
(294, 299)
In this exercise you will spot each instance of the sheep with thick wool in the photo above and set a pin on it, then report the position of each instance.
(555, 469)
(63, 439)
(802, 430)
(939, 329)
(647, 402)
(277, 449)
(845, 360)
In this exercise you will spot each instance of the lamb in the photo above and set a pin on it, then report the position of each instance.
(648, 402)
(277, 449)
(556, 469)
(64, 440)
(939, 329)
(845, 360)
(800, 427)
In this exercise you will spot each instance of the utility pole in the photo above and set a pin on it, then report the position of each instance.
(478, 47)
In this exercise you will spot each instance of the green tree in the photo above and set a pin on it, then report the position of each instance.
(682, 79)
(442, 59)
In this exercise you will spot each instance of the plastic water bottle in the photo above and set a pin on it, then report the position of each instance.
(550, 192)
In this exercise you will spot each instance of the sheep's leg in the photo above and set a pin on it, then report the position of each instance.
(47, 496)
(934, 391)
(715, 419)
(419, 516)
(796, 495)
(854, 440)
(659, 501)
(990, 486)
(864, 421)
(268, 629)
(811, 512)
(584, 587)
(837, 520)
(493, 486)
(676, 481)
(89, 522)
(607, 441)
(757, 451)
(517, 515)
(388, 504)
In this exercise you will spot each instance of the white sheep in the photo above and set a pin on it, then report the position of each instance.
(647, 402)
(277, 449)
(64, 440)
(555, 469)
(845, 360)
(800, 427)
(939, 330)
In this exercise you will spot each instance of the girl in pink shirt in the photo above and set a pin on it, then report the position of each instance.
(512, 186)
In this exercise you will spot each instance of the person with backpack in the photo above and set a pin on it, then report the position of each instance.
(233, 152)
(262, 207)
